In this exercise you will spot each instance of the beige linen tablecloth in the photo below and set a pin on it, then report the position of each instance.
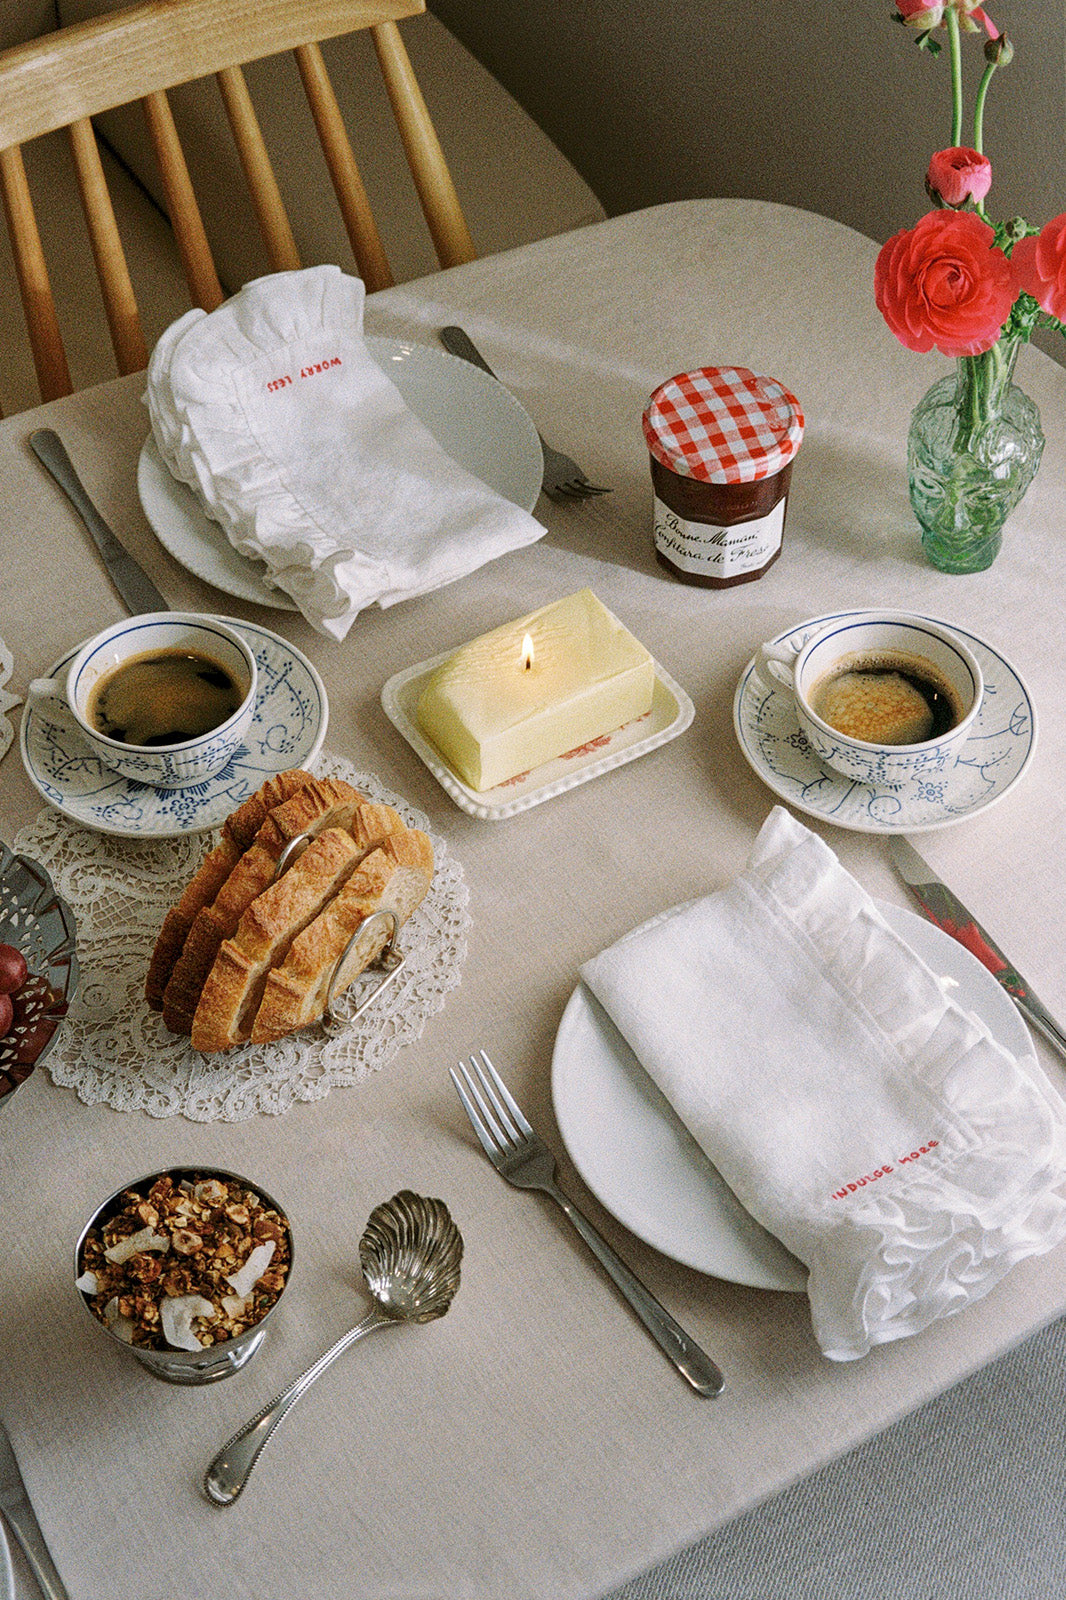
(533, 1443)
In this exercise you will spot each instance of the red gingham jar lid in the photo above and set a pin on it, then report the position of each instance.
(723, 425)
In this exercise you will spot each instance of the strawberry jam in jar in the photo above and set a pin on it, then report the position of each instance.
(722, 442)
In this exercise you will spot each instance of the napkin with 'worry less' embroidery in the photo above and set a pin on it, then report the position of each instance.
(857, 1112)
(281, 422)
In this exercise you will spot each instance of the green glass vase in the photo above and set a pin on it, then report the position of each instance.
(973, 448)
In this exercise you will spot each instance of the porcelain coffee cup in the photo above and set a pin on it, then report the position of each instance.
(177, 765)
(923, 651)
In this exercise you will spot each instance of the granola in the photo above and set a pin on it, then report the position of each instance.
(188, 1261)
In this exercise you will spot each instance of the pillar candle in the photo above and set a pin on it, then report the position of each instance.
(534, 689)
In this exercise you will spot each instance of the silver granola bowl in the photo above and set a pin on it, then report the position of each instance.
(215, 1361)
(37, 921)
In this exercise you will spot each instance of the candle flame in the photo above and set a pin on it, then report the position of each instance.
(527, 652)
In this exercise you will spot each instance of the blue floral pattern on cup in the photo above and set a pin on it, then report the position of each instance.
(287, 729)
(936, 794)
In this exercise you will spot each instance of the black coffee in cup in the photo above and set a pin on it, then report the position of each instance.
(886, 697)
(163, 697)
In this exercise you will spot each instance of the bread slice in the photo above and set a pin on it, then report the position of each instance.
(234, 985)
(395, 877)
(238, 832)
(318, 804)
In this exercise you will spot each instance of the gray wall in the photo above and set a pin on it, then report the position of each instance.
(824, 104)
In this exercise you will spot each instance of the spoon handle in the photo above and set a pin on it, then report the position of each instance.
(231, 1468)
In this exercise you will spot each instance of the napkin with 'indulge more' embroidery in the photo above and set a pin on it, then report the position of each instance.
(276, 415)
(857, 1112)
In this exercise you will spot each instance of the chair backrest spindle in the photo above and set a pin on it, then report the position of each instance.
(197, 260)
(120, 304)
(362, 230)
(436, 191)
(46, 341)
(263, 186)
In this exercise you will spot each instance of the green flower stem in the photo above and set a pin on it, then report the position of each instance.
(982, 383)
(979, 106)
(955, 44)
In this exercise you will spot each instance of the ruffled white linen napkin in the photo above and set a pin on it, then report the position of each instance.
(855, 1110)
(275, 414)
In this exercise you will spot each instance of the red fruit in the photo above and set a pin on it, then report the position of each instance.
(12, 969)
(7, 1012)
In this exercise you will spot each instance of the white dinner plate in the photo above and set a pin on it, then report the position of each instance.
(671, 713)
(473, 418)
(991, 761)
(642, 1164)
(287, 730)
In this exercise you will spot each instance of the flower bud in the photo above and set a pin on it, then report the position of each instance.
(1000, 52)
(958, 175)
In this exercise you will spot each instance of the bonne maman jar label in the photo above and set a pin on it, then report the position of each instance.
(718, 552)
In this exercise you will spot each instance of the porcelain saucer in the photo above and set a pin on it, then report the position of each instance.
(288, 728)
(986, 768)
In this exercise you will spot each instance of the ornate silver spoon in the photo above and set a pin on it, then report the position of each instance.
(410, 1254)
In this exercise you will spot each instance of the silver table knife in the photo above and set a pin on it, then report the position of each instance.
(136, 588)
(15, 1504)
(947, 911)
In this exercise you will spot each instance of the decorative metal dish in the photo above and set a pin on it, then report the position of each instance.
(37, 921)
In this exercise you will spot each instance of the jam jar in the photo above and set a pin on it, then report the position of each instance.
(721, 442)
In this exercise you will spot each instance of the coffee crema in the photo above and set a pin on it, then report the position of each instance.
(163, 697)
(886, 697)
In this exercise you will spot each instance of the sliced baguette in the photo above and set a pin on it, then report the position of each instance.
(395, 877)
(318, 804)
(238, 832)
(234, 984)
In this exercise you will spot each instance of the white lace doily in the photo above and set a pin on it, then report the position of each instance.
(112, 1048)
(7, 701)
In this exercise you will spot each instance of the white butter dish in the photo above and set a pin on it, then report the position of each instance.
(671, 713)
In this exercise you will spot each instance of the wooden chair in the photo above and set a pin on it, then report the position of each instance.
(65, 78)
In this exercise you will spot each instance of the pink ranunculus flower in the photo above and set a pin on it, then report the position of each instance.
(1040, 263)
(927, 14)
(958, 175)
(922, 13)
(944, 283)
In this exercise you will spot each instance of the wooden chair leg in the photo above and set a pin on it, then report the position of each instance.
(46, 341)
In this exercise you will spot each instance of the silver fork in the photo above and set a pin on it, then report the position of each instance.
(563, 478)
(521, 1157)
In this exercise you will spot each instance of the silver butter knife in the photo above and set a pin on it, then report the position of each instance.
(15, 1504)
(136, 588)
(945, 908)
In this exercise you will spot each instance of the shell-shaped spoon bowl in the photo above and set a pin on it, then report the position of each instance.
(410, 1254)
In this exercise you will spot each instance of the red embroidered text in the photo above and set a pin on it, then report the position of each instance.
(881, 1172)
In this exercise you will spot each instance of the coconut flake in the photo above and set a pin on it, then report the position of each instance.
(87, 1283)
(121, 1326)
(235, 1305)
(245, 1278)
(177, 1313)
(146, 1239)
